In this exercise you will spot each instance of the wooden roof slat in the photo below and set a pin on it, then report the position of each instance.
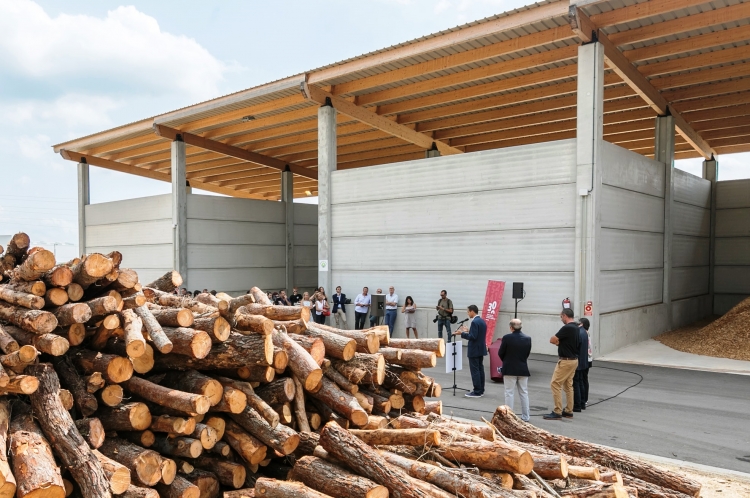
(698, 42)
(641, 11)
(708, 90)
(226, 131)
(228, 117)
(713, 58)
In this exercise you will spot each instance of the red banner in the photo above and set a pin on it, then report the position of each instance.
(491, 308)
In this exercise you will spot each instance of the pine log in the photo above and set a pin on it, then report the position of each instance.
(17, 361)
(7, 263)
(126, 279)
(575, 471)
(510, 425)
(372, 364)
(34, 465)
(236, 352)
(21, 384)
(135, 301)
(181, 447)
(37, 263)
(375, 422)
(218, 424)
(46, 343)
(66, 399)
(221, 448)
(281, 438)
(415, 359)
(481, 431)
(18, 246)
(71, 313)
(240, 493)
(258, 374)
(435, 407)
(115, 369)
(37, 321)
(230, 474)
(248, 447)
(8, 486)
(92, 430)
(610, 476)
(334, 480)
(302, 365)
(167, 282)
(91, 268)
(8, 343)
(281, 359)
(170, 398)
(172, 301)
(395, 437)
(650, 490)
(364, 401)
(144, 464)
(135, 344)
(168, 471)
(259, 296)
(36, 288)
(367, 462)
(139, 492)
(197, 484)
(551, 466)
(155, 331)
(343, 383)
(85, 402)
(173, 317)
(342, 402)
(216, 327)
(75, 292)
(194, 382)
(141, 438)
(258, 324)
(128, 417)
(111, 395)
(436, 346)
(414, 403)
(277, 392)
(211, 300)
(75, 334)
(367, 342)
(272, 488)
(312, 345)
(285, 413)
(21, 298)
(170, 424)
(206, 434)
(299, 407)
(253, 400)
(291, 326)
(55, 296)
(593, 489)
(488, 455)
(336, 345)
(391, 355)
(116, 473)
(143, 364)
(101, 306)
(275, 312)
(232, 401)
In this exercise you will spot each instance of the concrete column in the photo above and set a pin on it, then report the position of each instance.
(84, 199)
(664, 153)
(711, 173)
(326, 165)
(287, 197)
(179, 209)
(432, 151)
(589, 133)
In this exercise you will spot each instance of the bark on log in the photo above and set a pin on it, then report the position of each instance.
(230, 474)
(101, 306)
(299, 407)
(46, 343)
(8, 344)
(18, 360)
(232, 401)
(167, 282)
(480, 431)
(173, 317)
(281, 438)
(277, 392)
(170, 300)
(218, 424)
(206, 434)
(117, 474)
(350, 371)
(312, 345)
(342, 402)
(91, 268)
(38, 262)
(75, 334)
(513, 427)
(372, 364)
(334, 480)
(126, 279)
(92, 430)
(58, 426)
(181, 447)
(55, 297)
(488, 455)
(59, 276)
(436, 346)
(302, 365)
(272, 488)
(211, 300)
(155, 332)
(281, 313)
(111, 395)
(415, 359)
(194, 382)
(394, 437)
(216, 327)
(391, 355)
(610, 476)
(577, 471)
(206, 484)
(18, 245)
(253, 400)
(8, 486)
(144, 465)
(341, 381)
(236, 352)
(221, 448)
(128, 417)
(135, 344)
(140, 438)
(33, 462)
(170, 398)
(551, 466)
(71, 313)
(21, 384)
(37, 321)
(435, 407)
(248, 447)
(22, 298)
(139, 492)
(650, 490)
(84, 400)
(115, 369)
(259, 296)
(336, 345)
(367, 342)
(169, 424)
(291, 326)
(259, 374)
(36, 288)
(252, 323)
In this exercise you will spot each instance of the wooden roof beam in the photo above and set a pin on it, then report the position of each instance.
(376, 121)
(231, 151)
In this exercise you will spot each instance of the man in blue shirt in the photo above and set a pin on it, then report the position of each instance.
(476, 349)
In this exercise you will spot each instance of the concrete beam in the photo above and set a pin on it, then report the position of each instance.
(664, 153)
(179, 209)
(84, 199)
(326, 166)
(711, 173)
(589, 136)
(287, 197)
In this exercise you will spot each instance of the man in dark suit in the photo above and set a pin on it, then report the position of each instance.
(476, 349)
(339, 308)
(514, 351)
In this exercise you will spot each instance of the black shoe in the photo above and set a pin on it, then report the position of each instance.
(583, 406)
(552, 416)
(567, 414)
(577, 410)
(473, 395)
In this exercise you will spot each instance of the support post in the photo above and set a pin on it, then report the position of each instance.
(432, 151)
(84, 199)
(711, 173)
(287, 197)
(664, 153)
(326, 166)
(179, 208)
(589, 136)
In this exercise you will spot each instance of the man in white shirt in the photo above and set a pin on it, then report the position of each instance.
(391, 307)
(361, 307)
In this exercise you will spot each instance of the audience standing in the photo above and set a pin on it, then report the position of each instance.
(566, 341)
(339, 308)
(295, 297)
(585, 359)
(445, 312)
(361, 307)
(476, 349)
(515, 349)
(391, 307)
(410, 317)
(282, 299)
(321, 305)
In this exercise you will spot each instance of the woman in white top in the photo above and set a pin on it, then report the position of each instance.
(306, 302)
(409, 310)
(321, 304)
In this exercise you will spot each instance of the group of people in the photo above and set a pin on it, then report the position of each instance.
(182, 291)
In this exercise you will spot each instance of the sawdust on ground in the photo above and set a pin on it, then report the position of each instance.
(724, 337)
(713, 485)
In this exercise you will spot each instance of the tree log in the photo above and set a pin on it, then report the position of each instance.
(111, 395)
(8, 343)
(488, 455)
(253, 400)
(221, 448)
(312, 345)
(481, 431)
(372, 364)
(75, 292)
(139, 492)
(18, 246)
(171, 424)
(248, 447)
(155, 331)
(342, 402)
(71, 313)
(394, 437)
(281, 438)
(436, 346)
(259, 296)
(218, 424)
(230, 474)
(650, 490)
(299, 407)
(197, 484)
(8, 486)
(610, 476)
(21, 384)
(236, 352)
(275, 312)
(336, 345)
(115, 369)
(334, 480)
(170, 398)
(37, 321)
(135, 344)
(34, 464)
(75, 334)
(46, 343)
(258, 324)
(117, 474)
(173, 317)
(232, 401)
(181, 447)
(259, 374)
(367, 342)
(126, 279)
(38, 262)
(91, 430)
(216, 327)
(551, 466)
(128, 417)
(272, 488)
(302, 365)
(17, 361)
(391, 355)
(168, 471)
(277, 392)
(135, 301)
(341, 381)
(435, 407)
(55, 296)
(91, 268)
(415, 359)
(280, 359)
(291, 326)
(167, 282)
(144, 465)
(192, 381)
(575, 471)
(84, 400)
(206, 434)
(211, 300)
(22, 298)
(36, 288)
(513, 427)
(140, 438)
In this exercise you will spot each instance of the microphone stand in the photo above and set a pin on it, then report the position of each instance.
(454, 368)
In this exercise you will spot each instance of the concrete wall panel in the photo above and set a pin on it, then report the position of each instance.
(628, 210)
(725, 302)
(623, 328)
(154, 256)
(733, 222)
(690, 189)
(733, 251)
(136, 233)
(690, 251)
(690, 220)
(305, 214)
(235, 232)
(305, 235)
(151, 208)
(207, 256)
(631, 171)
(689, 282)
(690, 310)
(625, 289)
(732, 280)
(211, 207)
(733, 194)
(629, 250)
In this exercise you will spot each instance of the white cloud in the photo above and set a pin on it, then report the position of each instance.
(126, 45)
(441, 6)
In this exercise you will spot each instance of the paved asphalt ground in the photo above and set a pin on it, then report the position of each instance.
(699, 417)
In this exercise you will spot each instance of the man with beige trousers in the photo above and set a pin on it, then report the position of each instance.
(566, 341)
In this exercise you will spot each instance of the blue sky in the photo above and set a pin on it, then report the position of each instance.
(77, 67)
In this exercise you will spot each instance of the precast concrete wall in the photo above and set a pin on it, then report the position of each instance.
(732, 259)
(454, 222)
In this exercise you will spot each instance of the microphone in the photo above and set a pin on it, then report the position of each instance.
(463, 321)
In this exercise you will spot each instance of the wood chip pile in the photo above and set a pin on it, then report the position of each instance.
(726, 337)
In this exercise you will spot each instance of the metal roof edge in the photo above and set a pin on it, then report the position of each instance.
(102, 136)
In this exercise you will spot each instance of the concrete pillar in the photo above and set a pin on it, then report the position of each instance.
(664, 153)
(179, 209)
(589, 133)
(432, 151)
(326, 165)
(84, 199)
(287, 197)
(711, 173)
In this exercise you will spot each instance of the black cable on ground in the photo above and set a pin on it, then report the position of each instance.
(640, 379)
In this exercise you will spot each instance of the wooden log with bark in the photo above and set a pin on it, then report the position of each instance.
(135, 344)
(38, 261)
(394, 437)
(236, 352)
(216, 326)
(8, 343)
(115, 369)
(336, 345)
(276, 312)
(71, 313)
(253, 400)
(230, 474)
(134, 416)
(7, 480)
(248, 447)
(367, 342)
(144, 464)
(436, 346)
(55, 297)
(20, 384)
(45, 343)
(155, 331)
(117, 474)
(170, 398)
(92, 430)
(36, 288)
(85, 402)
(21, 298)
(302, 365)
(192, 381)
(167, 282)
(188, 342)
(37, 321)
(179, 446)
(249, 323)
(272, 488)
(281, 438)
(342, 402)
(173, 317)
(336, 481)
(91, 268)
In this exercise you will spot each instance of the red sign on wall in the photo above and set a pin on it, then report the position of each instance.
(588, 310)
(492, 300)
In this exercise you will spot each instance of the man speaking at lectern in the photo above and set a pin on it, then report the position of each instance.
(476, 349)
